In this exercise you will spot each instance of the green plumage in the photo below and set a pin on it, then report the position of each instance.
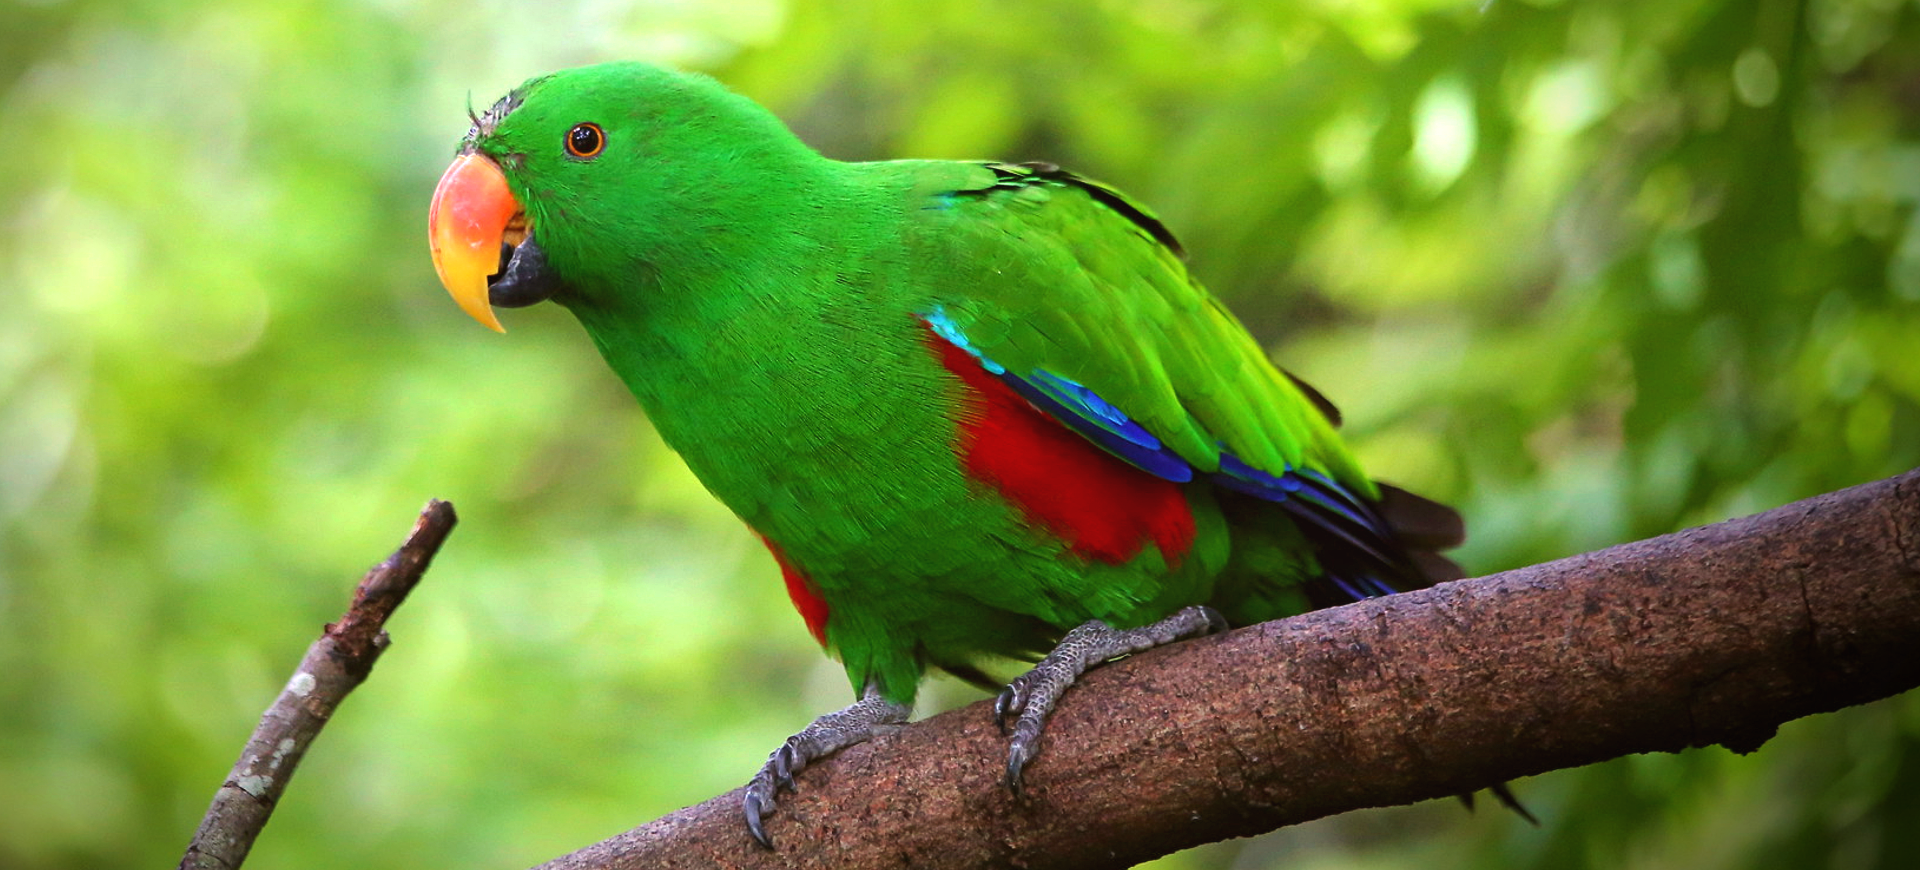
(774, 312)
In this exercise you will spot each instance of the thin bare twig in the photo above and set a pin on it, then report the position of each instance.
(335, 664)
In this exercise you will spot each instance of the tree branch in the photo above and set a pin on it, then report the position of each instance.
(335, 664)
(1711, 635)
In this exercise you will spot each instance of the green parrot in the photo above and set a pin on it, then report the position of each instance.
(977, 411)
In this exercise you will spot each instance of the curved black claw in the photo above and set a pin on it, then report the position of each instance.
(1019, 753)
(1031, 696)
(1011, 701)
(1017, 701)
(827, 735)
(757, 804)
(764, 789)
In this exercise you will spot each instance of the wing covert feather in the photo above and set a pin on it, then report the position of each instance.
(1045, 272)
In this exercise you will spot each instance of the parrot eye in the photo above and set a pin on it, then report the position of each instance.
(586, 141)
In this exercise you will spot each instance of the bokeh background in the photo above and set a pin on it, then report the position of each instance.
(1592, 271)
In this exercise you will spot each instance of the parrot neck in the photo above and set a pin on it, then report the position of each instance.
(754, 334)
(747, 253)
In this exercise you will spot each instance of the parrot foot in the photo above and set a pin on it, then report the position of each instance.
(1031, 696)
(828, 734)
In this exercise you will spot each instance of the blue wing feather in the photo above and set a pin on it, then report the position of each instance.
(1088, 414)
(1320, 504)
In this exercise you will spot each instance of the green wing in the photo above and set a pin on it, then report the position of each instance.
(1055, 278)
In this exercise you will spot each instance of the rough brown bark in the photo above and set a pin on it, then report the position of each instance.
(1711, 635)
(335, 664)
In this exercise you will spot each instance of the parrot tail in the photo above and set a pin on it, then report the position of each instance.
(1404, 554)
(1423, 528)
(1417, 530)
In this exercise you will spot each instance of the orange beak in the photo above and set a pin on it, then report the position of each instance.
(465, 226)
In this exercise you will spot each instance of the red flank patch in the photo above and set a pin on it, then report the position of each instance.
(1101, 506)
(806, 598)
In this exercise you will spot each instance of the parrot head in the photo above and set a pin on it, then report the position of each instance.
(591, 173)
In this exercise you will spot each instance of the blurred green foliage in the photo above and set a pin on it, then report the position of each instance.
(1592, 271)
